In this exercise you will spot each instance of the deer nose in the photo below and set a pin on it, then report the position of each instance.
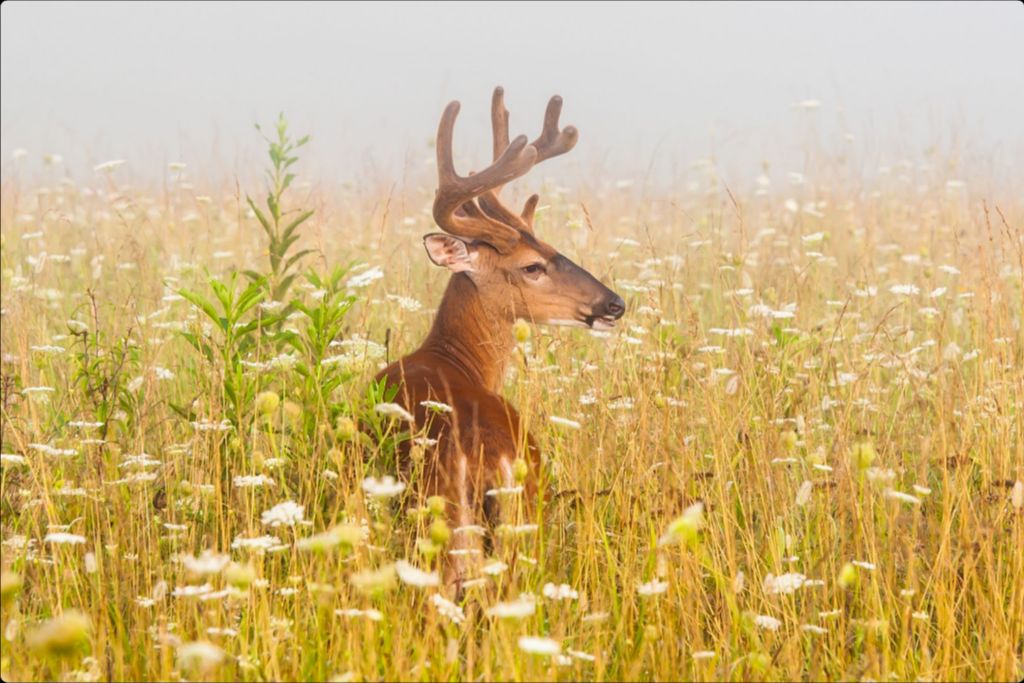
(615, 307)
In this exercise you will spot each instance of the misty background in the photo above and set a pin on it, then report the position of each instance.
(653, 88)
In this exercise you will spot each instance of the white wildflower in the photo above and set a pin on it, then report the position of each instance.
(371, 614)
(803, 495)
(905, 290)
(385, 487)
(582, 656)
(108, 166)
(902, 497)
(448, 609)
(394, 410)
(653, 587)
(200, 656)
(767, 622)
(783, 584)
(504, 491)
(562, 592)
(50, 450)
(539, 646)
(253, 481)
(494, 568)
(192, 591)
(64, 538)
(365, 278)
(208, 563)
(518, 609)
(414, 576)
(564, 422)
(287, 513)
(405, 303)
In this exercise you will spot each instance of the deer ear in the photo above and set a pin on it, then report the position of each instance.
(449, 252)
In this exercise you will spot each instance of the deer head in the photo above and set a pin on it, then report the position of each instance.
(514, 272)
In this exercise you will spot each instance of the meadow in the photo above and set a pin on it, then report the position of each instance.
(798, 457)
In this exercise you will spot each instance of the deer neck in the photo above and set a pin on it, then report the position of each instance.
(472, 333)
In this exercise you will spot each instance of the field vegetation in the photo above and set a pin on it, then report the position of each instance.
(799, 456)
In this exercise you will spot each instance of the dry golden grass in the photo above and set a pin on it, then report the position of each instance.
(832, 369)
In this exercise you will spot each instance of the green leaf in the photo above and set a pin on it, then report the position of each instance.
(295, 257)
(224, 294)
(199, 345)
(275, 209)
(296, 223)
(286, 243)
(282, 286)
(260, 217)
(204, 305)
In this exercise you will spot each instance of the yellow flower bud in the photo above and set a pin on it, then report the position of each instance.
(436, 505)
(427, 548)
(521, 330)
(345, 428)
(685, 529)
(520, 470)
(862, 455)
(63, 635)
(239, 575)
(267, 402)
(848, 576)
(10, 585)
(439, 532)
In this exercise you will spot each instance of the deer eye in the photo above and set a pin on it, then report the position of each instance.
(534, 269)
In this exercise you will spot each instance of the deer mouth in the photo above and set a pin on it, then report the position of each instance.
(602, 323)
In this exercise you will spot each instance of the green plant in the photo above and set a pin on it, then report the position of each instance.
(234, 334)
(280, 226)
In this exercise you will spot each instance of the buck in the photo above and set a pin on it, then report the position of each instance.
(501, 271)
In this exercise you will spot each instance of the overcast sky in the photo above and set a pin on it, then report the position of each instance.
(653, 86)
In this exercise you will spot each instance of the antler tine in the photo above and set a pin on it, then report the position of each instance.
(499, 121)
(455, 191)
(552, 141)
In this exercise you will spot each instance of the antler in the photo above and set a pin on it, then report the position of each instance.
(456, 207)
(454, 210)
(551, 143)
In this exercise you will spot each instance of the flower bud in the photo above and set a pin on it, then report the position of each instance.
(239, 575)
(848, 576)
(267, 402)
(10, 585)
(520, 469)
(439, 532)
(521, 331)
(862, 455)
(436, 505)
(345, 428)
(63, 635)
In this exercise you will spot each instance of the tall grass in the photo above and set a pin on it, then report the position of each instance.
(799, 458)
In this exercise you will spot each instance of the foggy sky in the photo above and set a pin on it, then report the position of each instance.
(652, 87)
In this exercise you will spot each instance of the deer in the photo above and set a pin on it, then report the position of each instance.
(500, 272)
